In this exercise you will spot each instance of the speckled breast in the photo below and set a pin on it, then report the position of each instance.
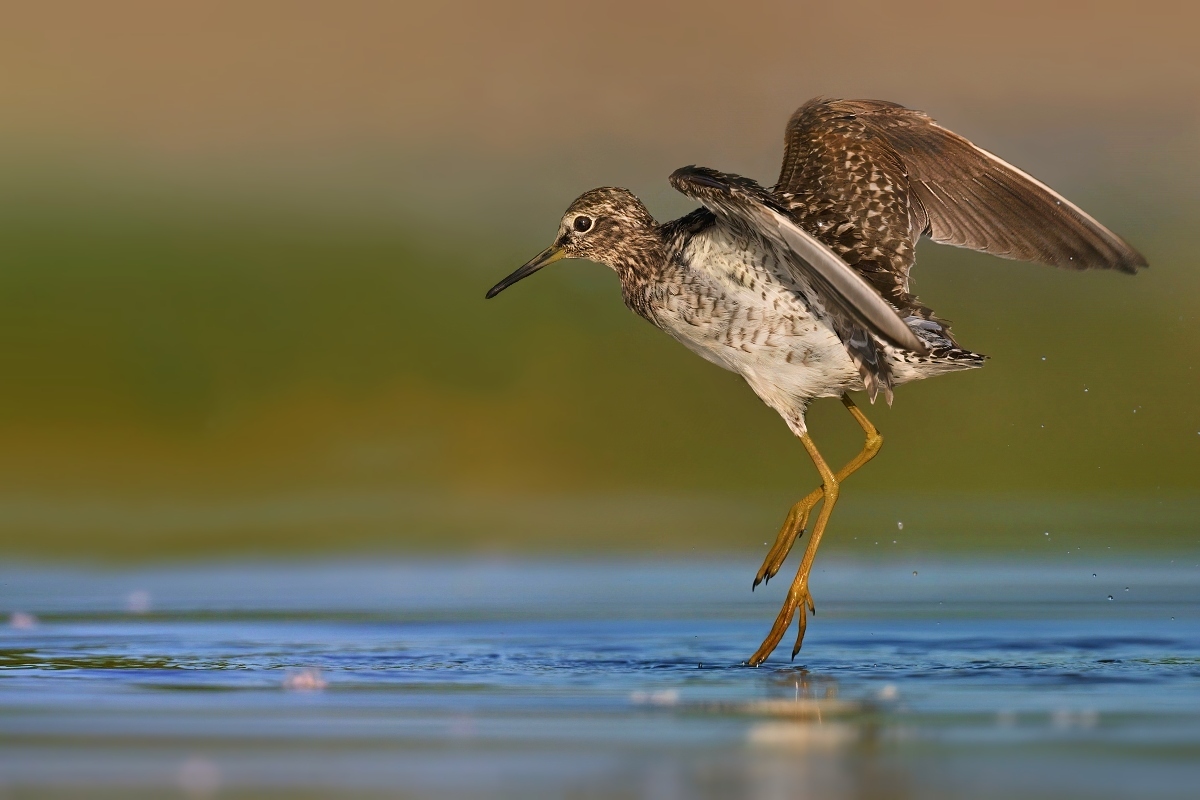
(726, 300)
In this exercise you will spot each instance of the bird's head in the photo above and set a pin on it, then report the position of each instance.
(609, 226)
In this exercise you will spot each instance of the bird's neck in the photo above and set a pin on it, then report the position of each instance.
(642, 257)
(643, 261)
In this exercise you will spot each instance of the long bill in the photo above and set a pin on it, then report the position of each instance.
(548, 256)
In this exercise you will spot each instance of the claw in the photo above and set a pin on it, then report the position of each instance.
(782, 622)
(794, 527)
(803, 627)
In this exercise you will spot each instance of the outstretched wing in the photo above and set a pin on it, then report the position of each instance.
(858, 311)
(869, 177)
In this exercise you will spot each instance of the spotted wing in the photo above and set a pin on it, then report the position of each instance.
(869, 177)
(858, 311)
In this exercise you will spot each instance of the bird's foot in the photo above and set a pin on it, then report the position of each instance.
(798, 598)
(793, 528)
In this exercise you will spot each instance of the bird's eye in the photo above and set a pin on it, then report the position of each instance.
(583, 224)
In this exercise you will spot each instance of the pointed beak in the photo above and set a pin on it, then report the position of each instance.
(548, 256)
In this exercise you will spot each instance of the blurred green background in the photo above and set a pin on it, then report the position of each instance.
(245, 247)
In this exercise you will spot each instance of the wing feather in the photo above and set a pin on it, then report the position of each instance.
(747, 206)
(958, 193)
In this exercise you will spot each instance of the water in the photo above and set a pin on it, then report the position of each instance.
(616, 679)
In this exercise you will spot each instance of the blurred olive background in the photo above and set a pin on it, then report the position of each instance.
(245, 244)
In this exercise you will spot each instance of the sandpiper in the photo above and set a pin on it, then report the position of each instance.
(802, 288)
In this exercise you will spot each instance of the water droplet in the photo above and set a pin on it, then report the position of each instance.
(1047, 533)
(1085, 388)
(1110, 597)
(914, 573)
(1043, 358)
(1127, 588)
(1093, 574)
(900, 526)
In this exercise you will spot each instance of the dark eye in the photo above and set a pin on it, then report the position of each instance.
(583, 224)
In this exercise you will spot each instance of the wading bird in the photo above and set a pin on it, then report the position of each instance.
(802, 289)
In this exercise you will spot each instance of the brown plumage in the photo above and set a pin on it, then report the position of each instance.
(868, 177)
(803, 288)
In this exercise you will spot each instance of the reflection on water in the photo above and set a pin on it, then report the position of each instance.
(531, 679)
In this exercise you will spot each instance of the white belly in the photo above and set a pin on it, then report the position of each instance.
(730, 311)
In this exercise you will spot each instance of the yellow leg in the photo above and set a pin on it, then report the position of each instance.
(798, 593)
(797, 518)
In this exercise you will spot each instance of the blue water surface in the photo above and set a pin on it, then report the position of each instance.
(523, 679)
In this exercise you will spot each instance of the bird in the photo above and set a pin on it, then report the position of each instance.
(803, 288)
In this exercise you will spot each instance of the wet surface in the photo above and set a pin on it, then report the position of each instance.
(581, 679)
